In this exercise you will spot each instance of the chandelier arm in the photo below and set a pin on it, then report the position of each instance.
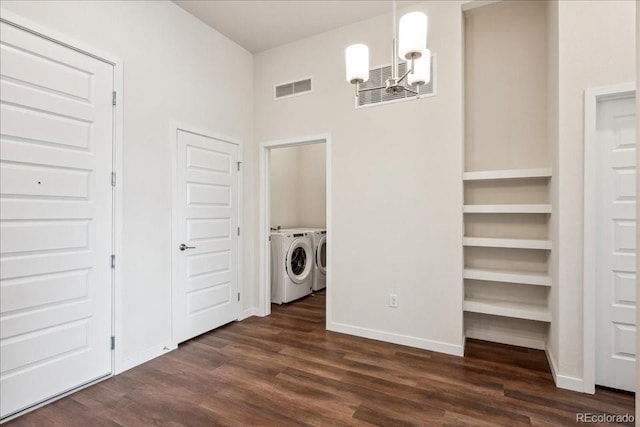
(404, 76)
(369, 89)
(408, 89)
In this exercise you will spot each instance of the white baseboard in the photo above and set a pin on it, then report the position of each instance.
(440, 347)
(253, 311)
(144, 356)
(564, 381)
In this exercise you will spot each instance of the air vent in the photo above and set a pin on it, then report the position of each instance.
(378, 76)
(287, 90)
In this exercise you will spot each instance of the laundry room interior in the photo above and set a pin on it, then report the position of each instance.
(297, 222)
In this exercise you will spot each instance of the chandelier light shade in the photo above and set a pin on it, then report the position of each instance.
(421, 70)
(412, 35)
(357, 60)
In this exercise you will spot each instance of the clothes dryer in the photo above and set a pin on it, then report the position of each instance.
(291, 265)
(319, 245)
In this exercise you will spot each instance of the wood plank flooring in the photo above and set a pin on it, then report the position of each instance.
(286, 370)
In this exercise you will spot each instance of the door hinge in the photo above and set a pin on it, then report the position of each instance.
(113, 343)
(113, 261)
(113, 179)
(238, 165)
(113, 98)
(238, 231)
(238, 296)
(269, 238)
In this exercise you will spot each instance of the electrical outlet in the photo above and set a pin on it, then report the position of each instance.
(393, 300)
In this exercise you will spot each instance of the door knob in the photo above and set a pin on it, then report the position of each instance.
(185, 247)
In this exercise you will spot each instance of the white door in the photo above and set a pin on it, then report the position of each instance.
(206, 285)
(55, 218)
(616, 245)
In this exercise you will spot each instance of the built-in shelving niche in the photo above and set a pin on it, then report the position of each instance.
(507, 246)
(507, 205)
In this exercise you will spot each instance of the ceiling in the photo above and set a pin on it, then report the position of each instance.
(262, 25)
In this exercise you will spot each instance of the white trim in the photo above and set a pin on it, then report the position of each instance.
(118, 148)
(293, 95)
(563, 381)
(118, 211)
(146, 355)
(507, 174)
(552, 365)
(174, 127)
(249, 312)
(425, 344)
(474, 4)
(329, 226)
(264, 289)
(57, 37)
(591, 98)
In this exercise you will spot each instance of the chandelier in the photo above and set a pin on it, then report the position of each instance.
(411, 45)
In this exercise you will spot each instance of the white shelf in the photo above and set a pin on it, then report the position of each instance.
(506, 243)
(507, 174)
(507, 208)
(508, 276)
(508, 309)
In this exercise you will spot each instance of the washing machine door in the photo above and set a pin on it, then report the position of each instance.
(321, 254)
(299, 260)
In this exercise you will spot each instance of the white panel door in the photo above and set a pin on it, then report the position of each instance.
(616, 245)
(55, 219)
(206, 284)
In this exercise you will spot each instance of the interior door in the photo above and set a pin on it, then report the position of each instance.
(55, 218)
(206, 285)
(616, 245)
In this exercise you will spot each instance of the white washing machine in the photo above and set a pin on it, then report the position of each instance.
(319, 245)
(291, 265)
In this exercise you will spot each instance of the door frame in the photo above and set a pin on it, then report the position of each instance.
(174, 127)
(264, 259)
(116, 62)
(592, 96)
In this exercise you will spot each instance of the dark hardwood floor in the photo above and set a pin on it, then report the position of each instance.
(287, 370)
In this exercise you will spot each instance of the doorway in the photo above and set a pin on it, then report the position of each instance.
(267, 212)
(610, 240)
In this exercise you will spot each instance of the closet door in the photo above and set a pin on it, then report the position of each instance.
(206, 293)
(55, 218)
(616, 245)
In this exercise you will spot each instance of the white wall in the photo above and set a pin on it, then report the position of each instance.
(396, 179)
(505, 86)
(312, 205)
(298, 186)
(596, 48)
(553, 343)
(175, 68)
(284, 178)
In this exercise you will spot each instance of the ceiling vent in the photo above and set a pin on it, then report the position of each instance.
(287, 90)
(378, 76)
